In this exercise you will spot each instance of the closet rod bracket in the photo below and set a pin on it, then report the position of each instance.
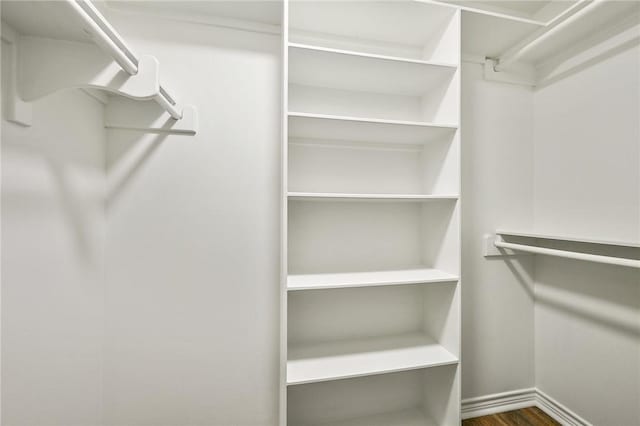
(15, 108)
(489, 248)
(46, 66)
(126, 114)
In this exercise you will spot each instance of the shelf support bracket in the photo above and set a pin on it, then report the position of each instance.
(15, 109)
(46, 66)
(520, 74)
(490, 250)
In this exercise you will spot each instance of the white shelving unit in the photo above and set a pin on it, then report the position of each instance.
(371, 238)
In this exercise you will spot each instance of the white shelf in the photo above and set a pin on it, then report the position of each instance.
(373, 27)
(349, 70)
(332, 127)
(568, 238)
(367, 279)
(356, 358)
(490, 35)
(449, 126)
(411, 417)
(331, 196)
(365, 55)
(608, 14)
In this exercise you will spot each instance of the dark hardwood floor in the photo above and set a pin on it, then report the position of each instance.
(531, 416)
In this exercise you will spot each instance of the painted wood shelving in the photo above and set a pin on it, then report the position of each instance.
(371, 229)
(341, 360)
(332, 196)
(568, 238)
(368, 279)
(329, 127)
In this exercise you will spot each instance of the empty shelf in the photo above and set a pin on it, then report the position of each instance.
(356, 358)
(332, 196)
(573, 239)
(412, 417)
(347, 70)
(335, 127)
(368, 279)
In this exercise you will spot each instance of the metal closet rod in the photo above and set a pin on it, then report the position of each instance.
(109, 40)
(514, 54)
(620, 261)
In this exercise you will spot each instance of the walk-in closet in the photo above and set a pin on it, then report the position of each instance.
(320, 213)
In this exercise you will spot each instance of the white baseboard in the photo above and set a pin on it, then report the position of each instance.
(498, 403)
(513, 400)
(558, 411)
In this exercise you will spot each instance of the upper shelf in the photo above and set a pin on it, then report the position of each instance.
(495, 28)
(533, 11)
(490, 35)
(348, 70)
(411, 30)
(120, 71)
(28, 17)
(567, 238)
(582, 26)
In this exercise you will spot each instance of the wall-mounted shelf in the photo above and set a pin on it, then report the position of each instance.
(489, 35)
(356, 358)
(610, 252)
(531, 43)
(70, 24)
(348, 70)
(399, 59)
(328, 196)
(368, 279)
(334, 127)
(569, 238)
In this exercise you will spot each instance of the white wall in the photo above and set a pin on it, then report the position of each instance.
(497, 186)
(587, 182)
(192, 295)
(53, 227)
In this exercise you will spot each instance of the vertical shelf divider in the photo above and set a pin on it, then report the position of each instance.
(284, 205)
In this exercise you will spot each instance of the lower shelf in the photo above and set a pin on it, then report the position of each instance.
(356, 358)
(412, 417)
(335, 196)
(368, 279)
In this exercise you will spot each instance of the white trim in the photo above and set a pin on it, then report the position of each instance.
(514, 400)
(558, 411)
(498, 403)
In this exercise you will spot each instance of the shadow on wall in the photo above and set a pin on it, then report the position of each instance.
(46, 175)
(608, 295)
(126, 158)
(521, 274)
